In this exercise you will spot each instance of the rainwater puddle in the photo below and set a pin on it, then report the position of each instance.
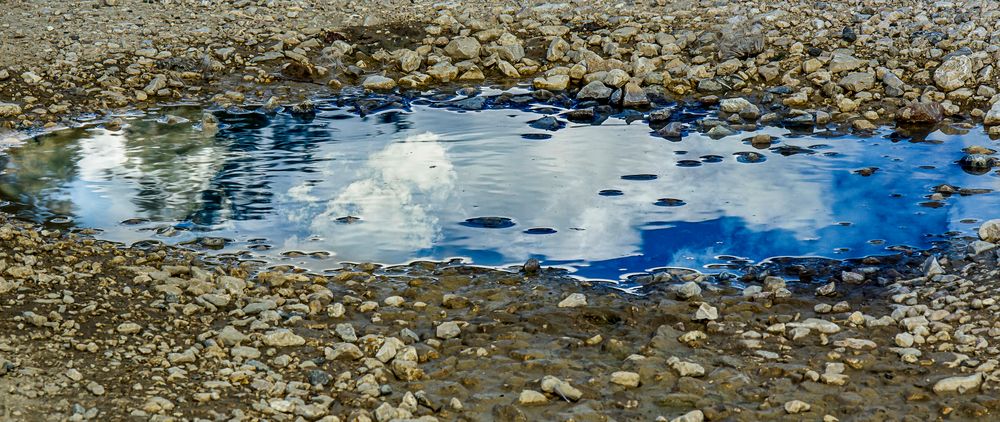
(495, 187)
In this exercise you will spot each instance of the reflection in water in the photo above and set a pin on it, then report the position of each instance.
(394, 186)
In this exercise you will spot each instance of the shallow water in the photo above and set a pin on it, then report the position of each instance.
(425, 182)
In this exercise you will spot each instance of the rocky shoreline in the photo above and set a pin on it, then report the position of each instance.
(96, 331)
(861, 63)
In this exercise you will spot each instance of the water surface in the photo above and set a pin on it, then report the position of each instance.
(431, 182)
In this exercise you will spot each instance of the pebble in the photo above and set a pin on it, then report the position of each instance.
(625, 378)
(796, 406)
(706, 312)
(553, 385)
(282, 338)
(530, 397)
(692, 416)
(449, 329)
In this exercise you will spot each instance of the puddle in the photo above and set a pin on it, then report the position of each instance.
(497, 187)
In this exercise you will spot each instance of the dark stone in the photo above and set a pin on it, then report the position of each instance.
(474, 103)
(921, 113)
(547, 123)
(584, 115)
(849, 35)
(977, 163)
(317, 377)
(532, 266)
(672, 131)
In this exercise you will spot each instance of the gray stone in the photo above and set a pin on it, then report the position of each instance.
(931, 267)
(449, 329)
(463, 48)
(953, 73)
(858, 81)
(574, 300)
(595, 90)
(379, 83)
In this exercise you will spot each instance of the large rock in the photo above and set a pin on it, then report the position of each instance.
(844, 62)
(958, 384)
(443, 71)
(595, 90)
(953, 73)
(409, 61)
(858, 81)
(992, 116)
(734, 105)
(894, 87)
(634, 96)
(463, 48)
(921, 113)
(990, 231)
(379, 83)
(9, 109)
(552, 83)
(557, 49)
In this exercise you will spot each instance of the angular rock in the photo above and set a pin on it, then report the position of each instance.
(574, 300)
(921, 113)
(551, 83)
(990, 231)
(282, 338)
(596, 90)
(463, 48)
(953, 73)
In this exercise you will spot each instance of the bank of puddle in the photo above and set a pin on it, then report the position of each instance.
(495, 183)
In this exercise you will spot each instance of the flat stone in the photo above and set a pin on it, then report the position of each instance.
(821, 325)
(230, 336)
(692, 416)
(129, 328)
(529, 397)
(573, 300)
(625, 378)
(551, 83)
(958, 384)
(282, 338)
(796, 406)
(378, 83)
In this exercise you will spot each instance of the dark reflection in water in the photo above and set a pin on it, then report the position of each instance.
(428, 183)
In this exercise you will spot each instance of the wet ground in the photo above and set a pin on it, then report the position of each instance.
(497, 179)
